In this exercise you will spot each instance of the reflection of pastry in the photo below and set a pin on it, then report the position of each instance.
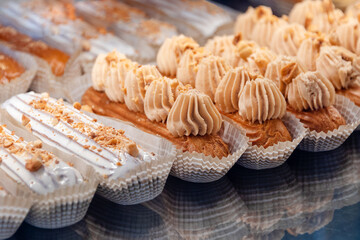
(160, 105)
(9, 69)
(258, 114)
(28, 163)
(312, 223)
(55, 58)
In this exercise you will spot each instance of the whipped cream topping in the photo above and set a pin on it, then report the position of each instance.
(338, 65)
(243, 49)
(245, 23)
(287, 39)
(193, 113)
(56, 123)
(353, 10)
(230, 86)
(309, 51)
(347, 35)
(160, 97)
(210, 72)
(136, 82)
(259, 60)
(28, 163)
(171, 51)
(189, 64)
(283, 70)
(221, 46)
(310, 91)
(115, 79)
(261, 100)
(319, 15)
(265, 28)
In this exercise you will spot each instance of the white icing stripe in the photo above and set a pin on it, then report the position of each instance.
(105, 161)
(53, 175)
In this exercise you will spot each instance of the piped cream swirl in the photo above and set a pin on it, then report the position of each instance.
(228, 91)
(193, 113)
(261, 100)
(221, 46)
(310, 91)
(136, 82)
(287, 39)
(170, 53)
(211, 70)
(159, 98)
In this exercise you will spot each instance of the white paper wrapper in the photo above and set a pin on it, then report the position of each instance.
(13, 207)
(321, 141)
(46, 81)
(64, 206)
(147, 179)
(263, 158)
(22, 83)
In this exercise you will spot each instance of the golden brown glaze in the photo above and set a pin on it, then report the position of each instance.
(323, 120)
(209, 144)
(9, 69)
(352, 93)
(54, 57)
(265, 134)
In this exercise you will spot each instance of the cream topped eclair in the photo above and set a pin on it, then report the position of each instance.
(106, 149)
(28, 163)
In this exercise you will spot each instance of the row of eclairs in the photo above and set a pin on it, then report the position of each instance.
(252, 98)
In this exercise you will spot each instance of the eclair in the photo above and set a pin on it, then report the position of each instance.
(10, 69)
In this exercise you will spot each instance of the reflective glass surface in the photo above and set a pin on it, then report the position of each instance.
(311, 196)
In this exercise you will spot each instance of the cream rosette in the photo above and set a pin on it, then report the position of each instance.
(160, 97)
(283, 70)
(259, 60)
(265, 28)
(261, 100)
(189, 65)
(230, 86)
(210, 72)
(353, 10)
(246, 22)
(222, 46)
(347, 35)
(242, 51)
(287, 39)
(193, 113)
(309, 51)
(136, 82)
(338, 65)
(170, 53)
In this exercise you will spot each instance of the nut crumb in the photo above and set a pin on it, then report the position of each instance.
(77, 105)
(33, 164)
(24, 120)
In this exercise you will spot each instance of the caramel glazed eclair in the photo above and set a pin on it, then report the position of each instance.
(106, 149)
(156, 104)
(29, 164)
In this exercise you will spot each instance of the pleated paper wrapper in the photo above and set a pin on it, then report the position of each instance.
(13, 207)
(65, 206)
(263, 158)
(145, 181)
(20, 84)
(321, 141)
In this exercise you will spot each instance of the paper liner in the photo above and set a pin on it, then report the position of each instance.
(147, 179)
(22, 83)
(65, 206)
(321, 141)
(263, 158)
(13, 207)
(196, 167)
(46, 81)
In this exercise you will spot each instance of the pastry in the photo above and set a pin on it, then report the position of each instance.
(222, 46)
(58, 23)
(9, 69)
(18, 41)
(287, 39)
(319, 15)
(131, 24)
(258, 114)
(170, 53)
(310, 97)
(199, 19)
(29, 164)
(346, 35)
(106, 149)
